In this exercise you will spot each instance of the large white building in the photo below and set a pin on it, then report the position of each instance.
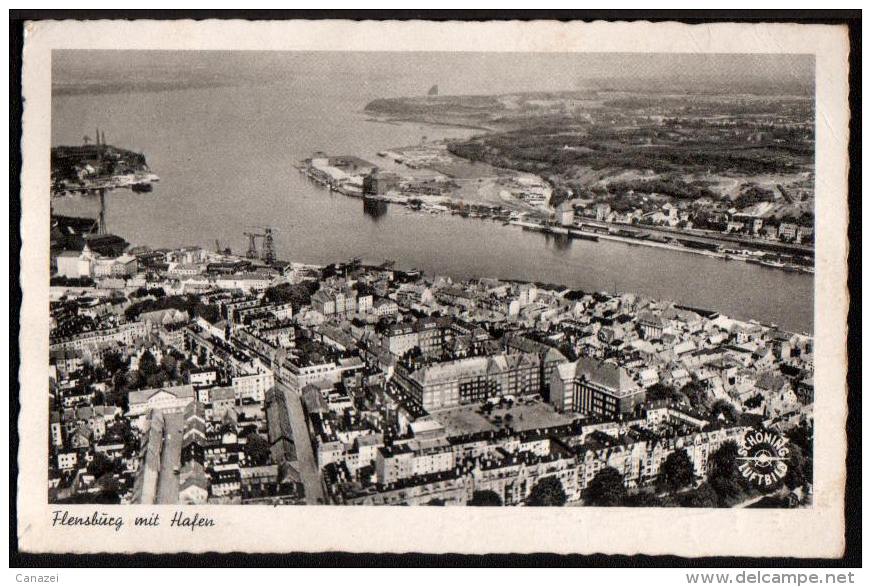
(166, 399)
(253, 386)
(75, 265)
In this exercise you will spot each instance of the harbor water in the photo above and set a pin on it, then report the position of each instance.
(225, 156)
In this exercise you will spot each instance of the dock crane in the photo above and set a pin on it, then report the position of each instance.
(268, 253)
(222, 250)
(268, 246)
(252, 244)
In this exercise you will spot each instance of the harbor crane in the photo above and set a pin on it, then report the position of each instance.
(268, 252)
(252, 244)
(268, 246)
(222, 250)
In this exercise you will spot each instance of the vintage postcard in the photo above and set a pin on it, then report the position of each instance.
(282, 278)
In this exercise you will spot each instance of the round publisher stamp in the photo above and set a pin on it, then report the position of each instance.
(763, 458)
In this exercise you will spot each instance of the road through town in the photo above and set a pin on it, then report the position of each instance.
(308, 467)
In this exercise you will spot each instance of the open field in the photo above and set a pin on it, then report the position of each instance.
(735, 148)
(475, 182)
(467, 419)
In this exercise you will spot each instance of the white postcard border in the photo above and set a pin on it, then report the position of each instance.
(813, 532)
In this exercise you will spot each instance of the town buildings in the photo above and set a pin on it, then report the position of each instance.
(198, 378)
(589, 385)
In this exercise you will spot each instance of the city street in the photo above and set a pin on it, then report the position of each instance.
(308, 468)
(170, 458)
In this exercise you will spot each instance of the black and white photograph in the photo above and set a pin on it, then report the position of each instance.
(433, 278)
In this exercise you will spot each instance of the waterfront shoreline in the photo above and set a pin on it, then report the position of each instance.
(400, 121)
(112, 183)
(315, 226)
(442, 204)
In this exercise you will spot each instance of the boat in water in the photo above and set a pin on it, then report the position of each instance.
(140, 188)
(775, 264)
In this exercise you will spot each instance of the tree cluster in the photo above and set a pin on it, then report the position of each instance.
(149, 374)
(299, 294)
(548, 491)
